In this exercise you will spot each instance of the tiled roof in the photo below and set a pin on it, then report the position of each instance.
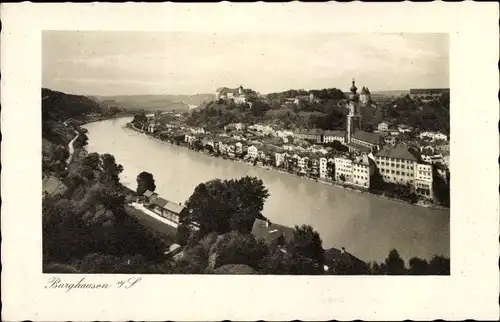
(359, 147)
(370, 137)
(398, 152)
(309, 132)
(174, 207)
(334, 133)
(335, 257)
(272, 232)
(148, 193)
(160, 202)
(168, 205)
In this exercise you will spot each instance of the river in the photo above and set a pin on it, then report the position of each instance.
(367, 226)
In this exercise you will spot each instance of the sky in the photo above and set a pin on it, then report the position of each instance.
(131, 62)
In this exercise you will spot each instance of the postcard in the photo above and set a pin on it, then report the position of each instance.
(250, 161)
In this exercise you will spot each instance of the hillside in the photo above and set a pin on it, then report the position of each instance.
(58, 107)
(61, 106)
(390, 93)
(156, 102)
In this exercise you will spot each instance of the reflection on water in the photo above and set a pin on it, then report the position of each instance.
(367, 226)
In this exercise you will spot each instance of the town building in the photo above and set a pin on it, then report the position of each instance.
(237, 95)
(252, 151)
(235, 126)
(324, 165)
(390, 140)
(354, 114)
(343, 169)
(167, 209)
(433, 136)
(364, 142)
(423, 180)
(304, 98)
(189, 138)
(208, 141)
(303, 163)
(402, 128)
(361, 172)
(272, 234)
(365, 96)
(198, 130)
(426, 94)
(330, 136)
(310, 135)
(151, 127)
(383, 127)
(354, 171)
(399, 165)
(280, 158)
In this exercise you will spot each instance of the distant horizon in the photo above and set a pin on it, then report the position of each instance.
(111, 63)
(192, 94)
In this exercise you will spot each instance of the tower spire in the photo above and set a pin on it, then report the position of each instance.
(353, 87)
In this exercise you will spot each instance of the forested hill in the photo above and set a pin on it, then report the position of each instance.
(156, 102)
(59, 106)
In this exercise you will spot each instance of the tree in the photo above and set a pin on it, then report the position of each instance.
(377, 183)
(439, 265)
(237, 248)
(342, 177)
(140, 119)
(197, 145)
(110, 169)
(330, 168)
(418, 266)
(221, 206)
(307, 243)
(440, 187)
(92, 160)
(395, 264)
(145, 181)
(80, 141)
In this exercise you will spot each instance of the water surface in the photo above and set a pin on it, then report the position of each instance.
(367, 226)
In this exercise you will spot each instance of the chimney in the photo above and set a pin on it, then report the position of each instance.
(268, 223)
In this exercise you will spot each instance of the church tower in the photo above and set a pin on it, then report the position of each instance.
(354, 116)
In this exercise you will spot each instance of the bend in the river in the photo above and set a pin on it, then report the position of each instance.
(367, 226)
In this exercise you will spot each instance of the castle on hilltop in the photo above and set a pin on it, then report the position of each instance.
(236, 95)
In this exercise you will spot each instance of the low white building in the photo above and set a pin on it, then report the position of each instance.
(302, 162)
(423, 180)
(361, 172)
(343, 169)
(280, 158)
(330, 136)
(189, 138)
(323, 167)
(253, 152)
(434, 136)
(383, 126)
(198, 130)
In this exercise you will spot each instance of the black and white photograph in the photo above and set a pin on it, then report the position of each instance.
(176, 152)
(250, 161)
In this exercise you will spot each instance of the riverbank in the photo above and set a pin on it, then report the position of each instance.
(420, 203)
